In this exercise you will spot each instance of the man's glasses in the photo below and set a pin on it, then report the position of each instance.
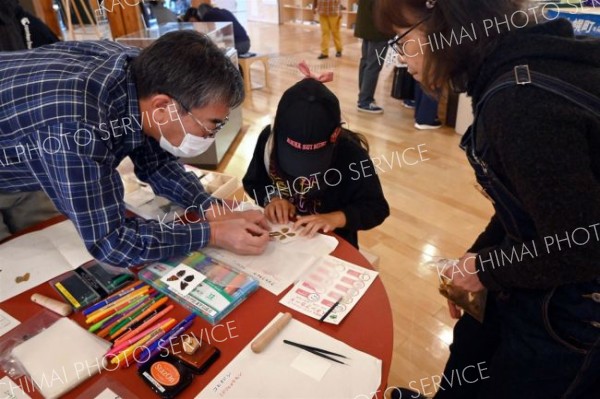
(211, 132)
(395, 42)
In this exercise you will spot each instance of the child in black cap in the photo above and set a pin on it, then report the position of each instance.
(307, 165)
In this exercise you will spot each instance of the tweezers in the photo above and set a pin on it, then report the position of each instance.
(316, 351)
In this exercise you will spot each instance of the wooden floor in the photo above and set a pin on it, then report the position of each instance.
(436, 211)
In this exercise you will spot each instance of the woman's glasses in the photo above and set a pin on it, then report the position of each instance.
(396, 42)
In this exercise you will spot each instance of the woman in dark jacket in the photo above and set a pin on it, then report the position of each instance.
(308, 165)
(535, 148)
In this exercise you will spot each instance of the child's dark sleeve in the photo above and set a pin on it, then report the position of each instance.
(257, 182)
(367, 206)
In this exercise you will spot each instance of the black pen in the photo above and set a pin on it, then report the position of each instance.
(330, 310)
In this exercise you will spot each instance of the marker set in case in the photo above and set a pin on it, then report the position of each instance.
(90, 282)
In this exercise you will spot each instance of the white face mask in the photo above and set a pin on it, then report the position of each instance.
(191, 145)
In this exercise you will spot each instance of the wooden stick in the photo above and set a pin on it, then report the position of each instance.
(79, 19)
(89, 16)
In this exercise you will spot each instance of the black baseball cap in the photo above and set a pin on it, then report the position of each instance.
(307, 123)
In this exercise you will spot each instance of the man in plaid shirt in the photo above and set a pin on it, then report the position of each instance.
(72, 111)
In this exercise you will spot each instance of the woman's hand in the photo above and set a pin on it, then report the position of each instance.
(464, 274)
(309, 225)
(455, 311)
(280, 210)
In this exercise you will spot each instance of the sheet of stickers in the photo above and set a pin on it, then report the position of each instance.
(331, 281)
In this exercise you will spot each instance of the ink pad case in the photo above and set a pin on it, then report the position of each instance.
(166, 376)
(199, 361)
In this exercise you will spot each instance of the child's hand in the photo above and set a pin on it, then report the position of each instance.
(325, 221)
(280, 211)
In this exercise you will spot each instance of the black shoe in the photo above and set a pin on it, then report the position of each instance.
(322, 57)
(338, 54)
(404, 393)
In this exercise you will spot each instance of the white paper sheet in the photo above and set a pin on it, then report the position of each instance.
(270, 374)
(70, 356)
(7, 323)
(314, 367)
(141, 200)
(329, 280)
(281, 264)
(11, 390)
(107, 394)
(39, 257)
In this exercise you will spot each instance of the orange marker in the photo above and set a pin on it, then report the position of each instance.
(127, 311)
(145, 325)
(139, 317)
(123, 359)
(92, 317)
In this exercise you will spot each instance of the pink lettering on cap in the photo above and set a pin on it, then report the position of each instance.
(306, 147)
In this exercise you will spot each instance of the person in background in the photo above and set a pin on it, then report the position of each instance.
(426, 109)
(209, 13)
(19, 30)
(373, 52)
(307, 165)
(72, 111)
(534, 147)
(191, 15)
(330, 21)
(162, 14)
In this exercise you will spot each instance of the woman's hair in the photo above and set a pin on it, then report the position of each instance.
(460, 33)
(188, 66)
(357, 138)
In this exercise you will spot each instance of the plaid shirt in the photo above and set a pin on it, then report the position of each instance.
(328, 7)
(69, 115)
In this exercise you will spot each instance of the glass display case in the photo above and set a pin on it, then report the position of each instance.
(221, 33)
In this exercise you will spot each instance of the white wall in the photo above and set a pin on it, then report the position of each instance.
(239, 8)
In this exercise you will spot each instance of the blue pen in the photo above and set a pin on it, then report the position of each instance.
(112, 299)
(174, 333)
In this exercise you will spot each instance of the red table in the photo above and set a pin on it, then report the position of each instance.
(368, 328)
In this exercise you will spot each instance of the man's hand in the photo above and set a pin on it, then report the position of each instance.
(216, 212)
(239, 236)
(280, 211)
(311, 224)
(255, 217)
